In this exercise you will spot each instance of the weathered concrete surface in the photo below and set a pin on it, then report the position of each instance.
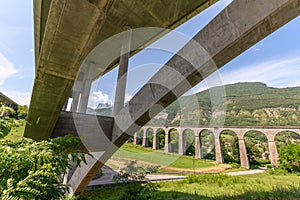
(62, 48)
(66, 31)
(238, 27)
(95, 132)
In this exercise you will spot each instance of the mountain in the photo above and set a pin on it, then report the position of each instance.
(244, 104)
(240, 104)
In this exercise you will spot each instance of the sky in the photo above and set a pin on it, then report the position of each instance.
(274, 60)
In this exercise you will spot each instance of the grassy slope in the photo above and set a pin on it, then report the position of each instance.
(157, 157)
(262, 186)
(16, 133)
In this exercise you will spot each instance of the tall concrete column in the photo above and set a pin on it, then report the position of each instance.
(243, 154)
(218, 148)
(122, 74)
(198, 147)
(155, 144)
(75, 101)
(65, 105)
(87, 87)
(181, 145)
(167, 138)
(273, 152)
(145, 139)
(77, 89)
(135, 138)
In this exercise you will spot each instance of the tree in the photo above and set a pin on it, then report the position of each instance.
(33, 170)
(289, 158)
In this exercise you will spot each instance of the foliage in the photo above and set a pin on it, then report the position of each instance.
(33, 170)
(6, 123)
(22, 112)
(132, 175)
(217, 187)
(289, 158)
(247, 104)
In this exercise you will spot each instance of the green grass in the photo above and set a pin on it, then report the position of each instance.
(258, 186)
(16, 132)
(129, 150)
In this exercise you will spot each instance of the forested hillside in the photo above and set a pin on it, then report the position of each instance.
(245, 104)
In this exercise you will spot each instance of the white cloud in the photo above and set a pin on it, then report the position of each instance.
(7, 69)
(97, 97)
(275, 73)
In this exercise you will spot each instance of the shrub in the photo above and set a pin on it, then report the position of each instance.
(33, 170)
(131, 175)
(289, 158)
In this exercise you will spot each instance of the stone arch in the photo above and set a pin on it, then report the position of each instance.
(159, 136)
(230, 146)
(188, 141)
(138, 138)
(148, 137)
(173, 139)
(206, 144)
(257, 145)
(285, 137)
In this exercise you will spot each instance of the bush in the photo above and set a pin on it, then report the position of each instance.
(33, 170)
(289, 158)
(131, 175)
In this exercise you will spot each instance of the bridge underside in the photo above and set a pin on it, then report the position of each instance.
(66, 31)
(242, 24)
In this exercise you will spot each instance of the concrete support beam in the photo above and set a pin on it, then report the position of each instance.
(76, 91)
(122, 74)
(86, 127)
(239, 26)
(87, 82)
(75, 101)
(62, 46)
(65, 105)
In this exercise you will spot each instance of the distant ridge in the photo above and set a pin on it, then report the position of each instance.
(247, 104)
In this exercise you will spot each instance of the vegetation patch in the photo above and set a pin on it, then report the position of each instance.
(214, 187)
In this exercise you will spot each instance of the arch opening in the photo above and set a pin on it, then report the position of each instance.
(285, 138)
(257, 148)
(207, 140)
(188, 142)
(173, 140)
(230, 146)
(148, 141)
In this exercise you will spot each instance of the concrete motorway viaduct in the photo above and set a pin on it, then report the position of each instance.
(67, 31)
(269, 132)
